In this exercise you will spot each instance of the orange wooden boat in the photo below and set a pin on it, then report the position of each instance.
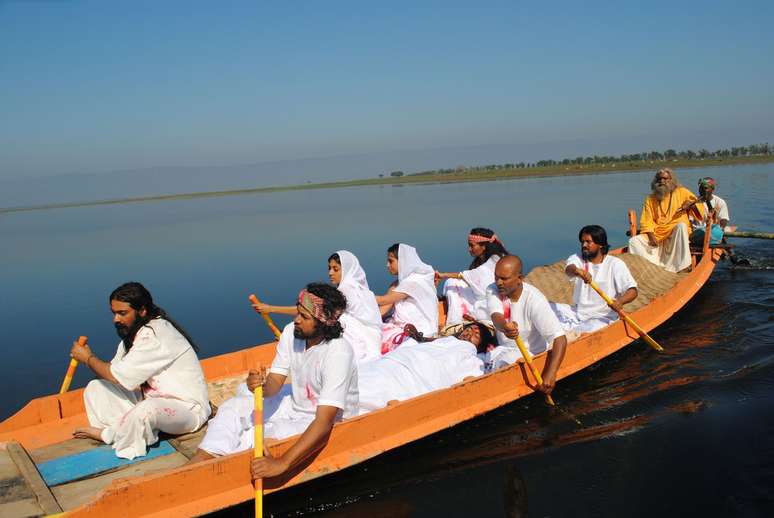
(166, 486)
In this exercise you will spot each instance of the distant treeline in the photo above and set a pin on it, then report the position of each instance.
(649, 156)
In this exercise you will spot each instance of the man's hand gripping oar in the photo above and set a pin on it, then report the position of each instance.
(71, 369)
(267, 318)
(539, 379)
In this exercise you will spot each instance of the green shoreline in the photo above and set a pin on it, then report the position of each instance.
(437, 178)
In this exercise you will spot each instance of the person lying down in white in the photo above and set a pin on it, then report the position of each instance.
(417, 367)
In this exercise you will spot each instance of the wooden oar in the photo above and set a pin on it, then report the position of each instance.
(258, 449)
(645, 336)
(71, 369)
(267, 318)
(527, 358)
(754, 235)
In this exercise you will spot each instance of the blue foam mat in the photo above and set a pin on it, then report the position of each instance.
(91, 462)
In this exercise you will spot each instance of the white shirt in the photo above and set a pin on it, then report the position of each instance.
(482, 276)
(717, 203)
(538, 325)
(611, 275)
(163, 360)
(324, 374)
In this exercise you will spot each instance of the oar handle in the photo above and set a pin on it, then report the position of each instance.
(258, 449)
(645, 336)
(71, 369)
(267, 318)
(528, 359)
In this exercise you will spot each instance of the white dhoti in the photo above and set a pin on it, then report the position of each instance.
(130, 423)
(673, 254)
(232, 430)
(574, 324)
(461, 300)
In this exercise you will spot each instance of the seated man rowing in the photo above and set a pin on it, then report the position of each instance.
(324, 390)
(421, 365)
(717, 209)
(589, 311)
(664, 224)
(153, 383)
(519, 309)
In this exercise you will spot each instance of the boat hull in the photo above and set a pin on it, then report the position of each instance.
(200, 488)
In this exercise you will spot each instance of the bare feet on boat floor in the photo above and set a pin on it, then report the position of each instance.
(88, 432)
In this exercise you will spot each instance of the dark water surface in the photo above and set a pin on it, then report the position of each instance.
(686, 433)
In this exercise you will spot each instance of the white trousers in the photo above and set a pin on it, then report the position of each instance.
(232, 431)
(461, 300)
(131, 423)
(571, 322)
(673, 254)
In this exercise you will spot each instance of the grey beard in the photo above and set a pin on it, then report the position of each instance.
(661, 191)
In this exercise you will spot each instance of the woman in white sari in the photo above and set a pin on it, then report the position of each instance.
(465, 291)
(362, 321)
(413, 299)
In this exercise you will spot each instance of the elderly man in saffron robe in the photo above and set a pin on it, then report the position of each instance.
(664, 224)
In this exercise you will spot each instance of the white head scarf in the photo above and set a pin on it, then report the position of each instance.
(361, 302)
(416, 279)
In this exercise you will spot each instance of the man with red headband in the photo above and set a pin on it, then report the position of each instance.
(324, 388)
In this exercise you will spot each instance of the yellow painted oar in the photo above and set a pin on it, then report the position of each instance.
(539, 379)
(71, 370)
(267, 318)
(645, 336)
(258, 393)
(527, 358)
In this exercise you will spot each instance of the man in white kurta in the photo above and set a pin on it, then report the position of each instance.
(416, 368)
(715, 209)
(324, 389)
(589, 312)
(519, 309)
(155, 385)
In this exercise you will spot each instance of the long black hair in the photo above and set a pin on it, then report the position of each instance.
(394, 249)
(598, 236)
(138, 297)
(490, 248)
(333, 302)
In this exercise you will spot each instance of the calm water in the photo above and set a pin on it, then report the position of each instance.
(688, 432)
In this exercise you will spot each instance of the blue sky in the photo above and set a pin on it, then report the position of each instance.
(95, 87)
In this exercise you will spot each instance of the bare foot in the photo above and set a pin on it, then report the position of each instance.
(89, 432)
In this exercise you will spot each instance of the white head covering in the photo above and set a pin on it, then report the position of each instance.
(361, 302)
(416, 279)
